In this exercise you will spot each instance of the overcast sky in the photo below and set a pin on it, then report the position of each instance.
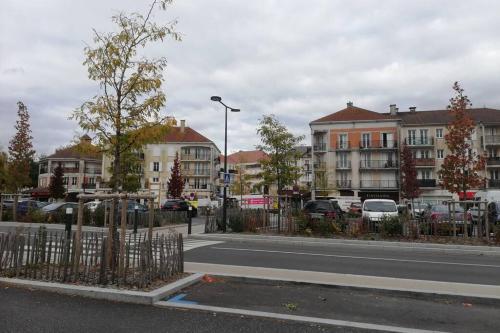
(299, 60)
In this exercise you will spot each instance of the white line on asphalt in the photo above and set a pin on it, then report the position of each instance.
(358, 257)
(281, 316)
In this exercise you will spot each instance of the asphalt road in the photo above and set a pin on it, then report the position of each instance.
(374, 261)
(23, 310)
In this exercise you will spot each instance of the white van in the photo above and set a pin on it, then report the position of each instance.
(488, 195)
(376, 209)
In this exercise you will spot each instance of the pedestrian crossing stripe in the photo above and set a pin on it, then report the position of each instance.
(190, 244)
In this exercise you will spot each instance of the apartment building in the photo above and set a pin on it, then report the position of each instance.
(356, 151)
(304, 163)
(199, 159)
(81, 165)
(248, 163)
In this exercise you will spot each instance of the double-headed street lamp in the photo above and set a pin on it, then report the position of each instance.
(224, 204)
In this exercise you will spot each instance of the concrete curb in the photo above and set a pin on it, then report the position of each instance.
(491, 292)
(117, 295)
(310, 241)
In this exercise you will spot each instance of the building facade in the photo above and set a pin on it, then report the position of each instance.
(199, 162)
(247, 166)
(356, 151)
(304, 164)
(81, 165)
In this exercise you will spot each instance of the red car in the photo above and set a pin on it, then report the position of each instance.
(356, 208)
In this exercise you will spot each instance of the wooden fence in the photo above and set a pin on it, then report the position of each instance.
(53, 257)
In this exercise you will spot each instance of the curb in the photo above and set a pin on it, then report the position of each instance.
(116, 295)
(310, 241)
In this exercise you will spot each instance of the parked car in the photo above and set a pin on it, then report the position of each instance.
(494, 212)
(322, 208)
(356, 208)
(376, 209)
(179, 205)
(25, 206)
(56, 210)
(441, 214)
(346, 201)
(130, 206)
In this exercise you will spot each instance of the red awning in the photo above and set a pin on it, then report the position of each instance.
(469, 196)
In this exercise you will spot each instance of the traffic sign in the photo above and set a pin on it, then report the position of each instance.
(227, 178)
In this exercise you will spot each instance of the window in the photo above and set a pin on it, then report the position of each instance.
(425, 174)
(365, 140)
(440, 153)
(439, 133)
(156, 180)
(74, 180)
(65, 180)
(342, 141)
(156, 166)
(423, 136)
(412, 134)
(91, 180)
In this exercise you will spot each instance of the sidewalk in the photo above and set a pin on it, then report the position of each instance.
(295, 240)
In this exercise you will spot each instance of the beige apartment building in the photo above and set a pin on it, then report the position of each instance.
(248, 165)
(199, 159)
(356, 151)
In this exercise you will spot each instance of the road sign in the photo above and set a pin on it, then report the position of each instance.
(227, 178)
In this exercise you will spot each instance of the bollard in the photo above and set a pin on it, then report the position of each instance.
(69, 220)
(190, 216)
(136, 213)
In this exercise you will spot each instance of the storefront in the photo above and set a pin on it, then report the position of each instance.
(392, 195)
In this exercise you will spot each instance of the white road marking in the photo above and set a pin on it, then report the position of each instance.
(358, 257)
(190, 244)
(304, 319)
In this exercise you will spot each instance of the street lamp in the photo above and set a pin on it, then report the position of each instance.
(224, 204)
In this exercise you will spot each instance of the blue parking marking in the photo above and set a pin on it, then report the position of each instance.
(179, 299)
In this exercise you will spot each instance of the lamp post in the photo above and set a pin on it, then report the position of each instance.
(224, 203)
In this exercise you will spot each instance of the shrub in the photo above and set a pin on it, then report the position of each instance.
(235, 222)
(390, 226)
(36, 216)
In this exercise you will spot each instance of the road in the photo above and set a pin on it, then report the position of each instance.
(373, 261)
(23, 310)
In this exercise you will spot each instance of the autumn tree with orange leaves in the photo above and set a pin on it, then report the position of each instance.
(461, 167)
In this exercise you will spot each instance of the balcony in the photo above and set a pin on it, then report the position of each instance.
(343, 165)
(426, 182)
(491, 140)
(71, 170)
(420, 141)
(196, 172)
(343, 145)
(379, 184)
(378, 164)
(191, 157)
(320, 166)
(343, 183)
(89, 186)
(425, 162)
(378, 144)
(493, 183)
(93, 171)
(320, 147)
(493, 161)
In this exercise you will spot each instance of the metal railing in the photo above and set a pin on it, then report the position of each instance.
(195, 172)
(379, 184)
(191, 157)
(420, 141)
(426, 182)
(93, 171)
(494, 183)
(320, 166)
(491, 139)
(343, 165)
(425, 162)
(493, 160)
(377, 164)
(343, 145)
(378, 144)
(342, 183)
(320, 147)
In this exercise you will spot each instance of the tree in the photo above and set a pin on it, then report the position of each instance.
(21, 151)
(126, 113)
(175, 183)
(242, 184)
(461, 167)
(279, 144)
(409, 183)
(3, 171)
(56, 187)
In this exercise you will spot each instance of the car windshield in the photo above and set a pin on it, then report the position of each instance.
(323, 205)
(440, 208)
(380, 206)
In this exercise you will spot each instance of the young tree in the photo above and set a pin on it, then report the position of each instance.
(242, 184)
(3, 171)
(409, 183)
(461, 167)
(56, 187)
(279, 144)
(126, 113)
(21, 151)
(175, 183)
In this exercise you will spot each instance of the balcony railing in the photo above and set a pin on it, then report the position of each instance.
(71, 170)
(343, 165)
(320, 147)
(341, 183)
(426, 182)
(420, 141)
(196, 172)
(493, 161)
(425, 162)
(93, 171)
(491, 140)
(379, 184)
(89, 186)
(319, 166)
(378, 144)
(378, 164)
(192, 157)
(494, 183)
(343, 145)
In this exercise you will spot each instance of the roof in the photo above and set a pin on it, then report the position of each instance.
(485, 115)
(303, 150)
(353, 113)
(249, 156)
(175, 134)
(82, 150)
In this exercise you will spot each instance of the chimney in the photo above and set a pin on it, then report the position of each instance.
(86, 139)
(393, 109)
(350, 104)
(183, 126)
(413, 108)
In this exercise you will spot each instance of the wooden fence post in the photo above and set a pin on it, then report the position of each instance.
(14, 208)
(109, 249)
(1, 207)
(78, 238)
(151, 219)
(123, 233)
